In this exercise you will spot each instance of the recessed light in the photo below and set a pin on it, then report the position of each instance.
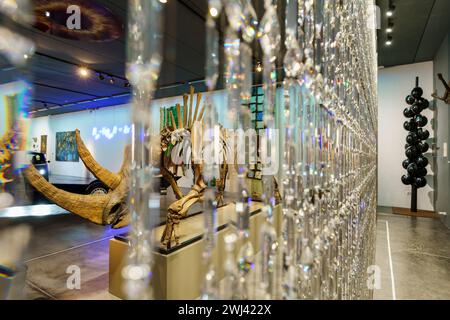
(83, 72)
(163, 1)
(391, 9)
(389, 41)
(47, 14)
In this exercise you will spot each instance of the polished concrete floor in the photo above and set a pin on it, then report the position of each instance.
(414, 258)
(413, 255)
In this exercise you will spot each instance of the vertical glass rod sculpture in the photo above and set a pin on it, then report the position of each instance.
(145, 21)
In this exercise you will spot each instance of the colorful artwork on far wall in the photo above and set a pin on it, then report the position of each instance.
(44, 144)
(66, 147)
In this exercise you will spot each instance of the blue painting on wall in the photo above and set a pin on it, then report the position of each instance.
(66, 147)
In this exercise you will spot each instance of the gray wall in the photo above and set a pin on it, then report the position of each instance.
(441, 124)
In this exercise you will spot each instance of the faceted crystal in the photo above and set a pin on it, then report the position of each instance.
(249, 21)
(212, 54)
(269, 33)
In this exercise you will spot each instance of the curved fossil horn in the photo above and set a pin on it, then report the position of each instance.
(86, 206)
(112, 180)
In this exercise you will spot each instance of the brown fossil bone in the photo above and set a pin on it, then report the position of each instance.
(176, 139)
(109, 209)
(446, 96)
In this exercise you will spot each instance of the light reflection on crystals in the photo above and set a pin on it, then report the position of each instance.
(328, 170)
(143, 65)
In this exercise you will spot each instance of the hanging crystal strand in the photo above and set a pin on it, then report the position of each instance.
(211, 160)
(211, 163)
(144, 61)
(210, 284)
(308, 210)
(231, 271)
(270, 38)
(16, 52)
(239, 115)
(318, 48)
(290, 173)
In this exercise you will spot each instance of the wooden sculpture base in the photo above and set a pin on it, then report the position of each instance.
(179, 272)
(419, 213)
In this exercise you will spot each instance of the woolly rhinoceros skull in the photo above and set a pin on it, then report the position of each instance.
(106, 209)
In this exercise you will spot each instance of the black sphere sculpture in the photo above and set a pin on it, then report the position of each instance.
(416, 163)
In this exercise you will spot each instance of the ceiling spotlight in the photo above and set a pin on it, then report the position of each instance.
(47, 14)
(83, 72)
(390, 27)
(111, 80)
(101, 77)
(163, 1)
(391, 9)
(259, 67)
(389, 41)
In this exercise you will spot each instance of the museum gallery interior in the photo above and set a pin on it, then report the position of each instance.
(224, 149)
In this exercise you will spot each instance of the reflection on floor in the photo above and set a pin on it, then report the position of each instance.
(412, 253)
(60, 241)
(414, 257)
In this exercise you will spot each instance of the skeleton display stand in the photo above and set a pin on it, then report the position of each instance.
(178, 271)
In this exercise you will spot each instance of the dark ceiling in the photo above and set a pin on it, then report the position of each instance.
(419, 29)
(420, 26)
(58, 88)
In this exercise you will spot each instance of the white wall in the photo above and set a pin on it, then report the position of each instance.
(394, 84)
(108, 152)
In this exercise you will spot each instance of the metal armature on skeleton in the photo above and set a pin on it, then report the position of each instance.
(446, 96)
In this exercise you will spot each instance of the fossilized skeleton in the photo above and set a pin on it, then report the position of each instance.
(111, 209)
(176, 139)
(446, 96)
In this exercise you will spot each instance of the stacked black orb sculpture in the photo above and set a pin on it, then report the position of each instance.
(415, 147)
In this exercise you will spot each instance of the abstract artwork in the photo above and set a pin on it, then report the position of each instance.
(66, 147)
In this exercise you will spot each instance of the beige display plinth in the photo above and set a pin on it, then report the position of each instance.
(179, 272)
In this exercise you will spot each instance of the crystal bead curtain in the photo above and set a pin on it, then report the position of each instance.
(327, 132)
(320, 107)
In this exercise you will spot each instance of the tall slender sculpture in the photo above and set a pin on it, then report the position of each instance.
(416, 163)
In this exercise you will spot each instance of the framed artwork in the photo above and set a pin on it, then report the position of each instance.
(44, 144)
(34, 144)
(66, 147)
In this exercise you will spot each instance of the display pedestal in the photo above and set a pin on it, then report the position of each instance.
(179, 272)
